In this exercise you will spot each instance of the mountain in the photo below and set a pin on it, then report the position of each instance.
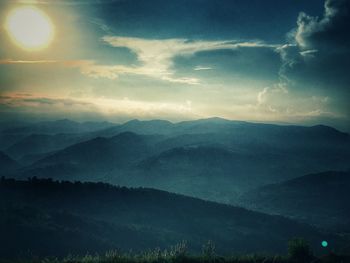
(24, 133)
(214, 159)
(141, 127)
(7, 164)
(58, 126)
(321, 199)
(45, 217)
(303, 149)
(29, 159)
(219, 125)
(206, 171)
(94, 159)
(168, 128)
(36, 144)
(8, 139)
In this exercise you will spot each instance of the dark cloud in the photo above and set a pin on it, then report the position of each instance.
(317, 60)
(320, 51)
(331, 30)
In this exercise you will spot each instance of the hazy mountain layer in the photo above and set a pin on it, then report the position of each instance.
(213, 159)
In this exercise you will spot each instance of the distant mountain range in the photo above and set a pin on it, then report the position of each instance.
(321, 199)
(42, 217)
(15, 133)
(59, 126)
(213, 159)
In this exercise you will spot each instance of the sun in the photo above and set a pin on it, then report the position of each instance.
(29, 28)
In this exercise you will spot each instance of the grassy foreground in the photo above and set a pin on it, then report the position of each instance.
(298, 252)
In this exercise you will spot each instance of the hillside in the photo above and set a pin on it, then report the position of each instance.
(38, 144)
(95, 158)
(7, 164)
(208, 171)
(52, 218)
(320, 199)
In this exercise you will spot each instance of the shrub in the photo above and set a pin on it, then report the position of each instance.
(299, 251)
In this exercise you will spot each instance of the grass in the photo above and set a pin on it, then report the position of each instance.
(298, 252)
(114, 257)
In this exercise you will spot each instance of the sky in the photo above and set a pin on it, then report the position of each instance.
(264, 61)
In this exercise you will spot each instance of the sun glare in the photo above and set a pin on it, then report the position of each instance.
(29, 28)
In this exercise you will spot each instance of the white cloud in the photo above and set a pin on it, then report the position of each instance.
(275, 103)
(157, 55)
(263, 96)
(308, 53)
(197, 68)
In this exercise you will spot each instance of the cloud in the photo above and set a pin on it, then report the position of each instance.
(86, 67)
(19, 100)
(316, 61)
(157, 55)
(329, 30)
(266, 99)
(319, 52)
(36, 103)
(197, 68)
(66, 2)
(10, 61)
(277, 103)
(261, 98)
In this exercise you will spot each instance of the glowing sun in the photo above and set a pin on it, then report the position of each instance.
(29, 28)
